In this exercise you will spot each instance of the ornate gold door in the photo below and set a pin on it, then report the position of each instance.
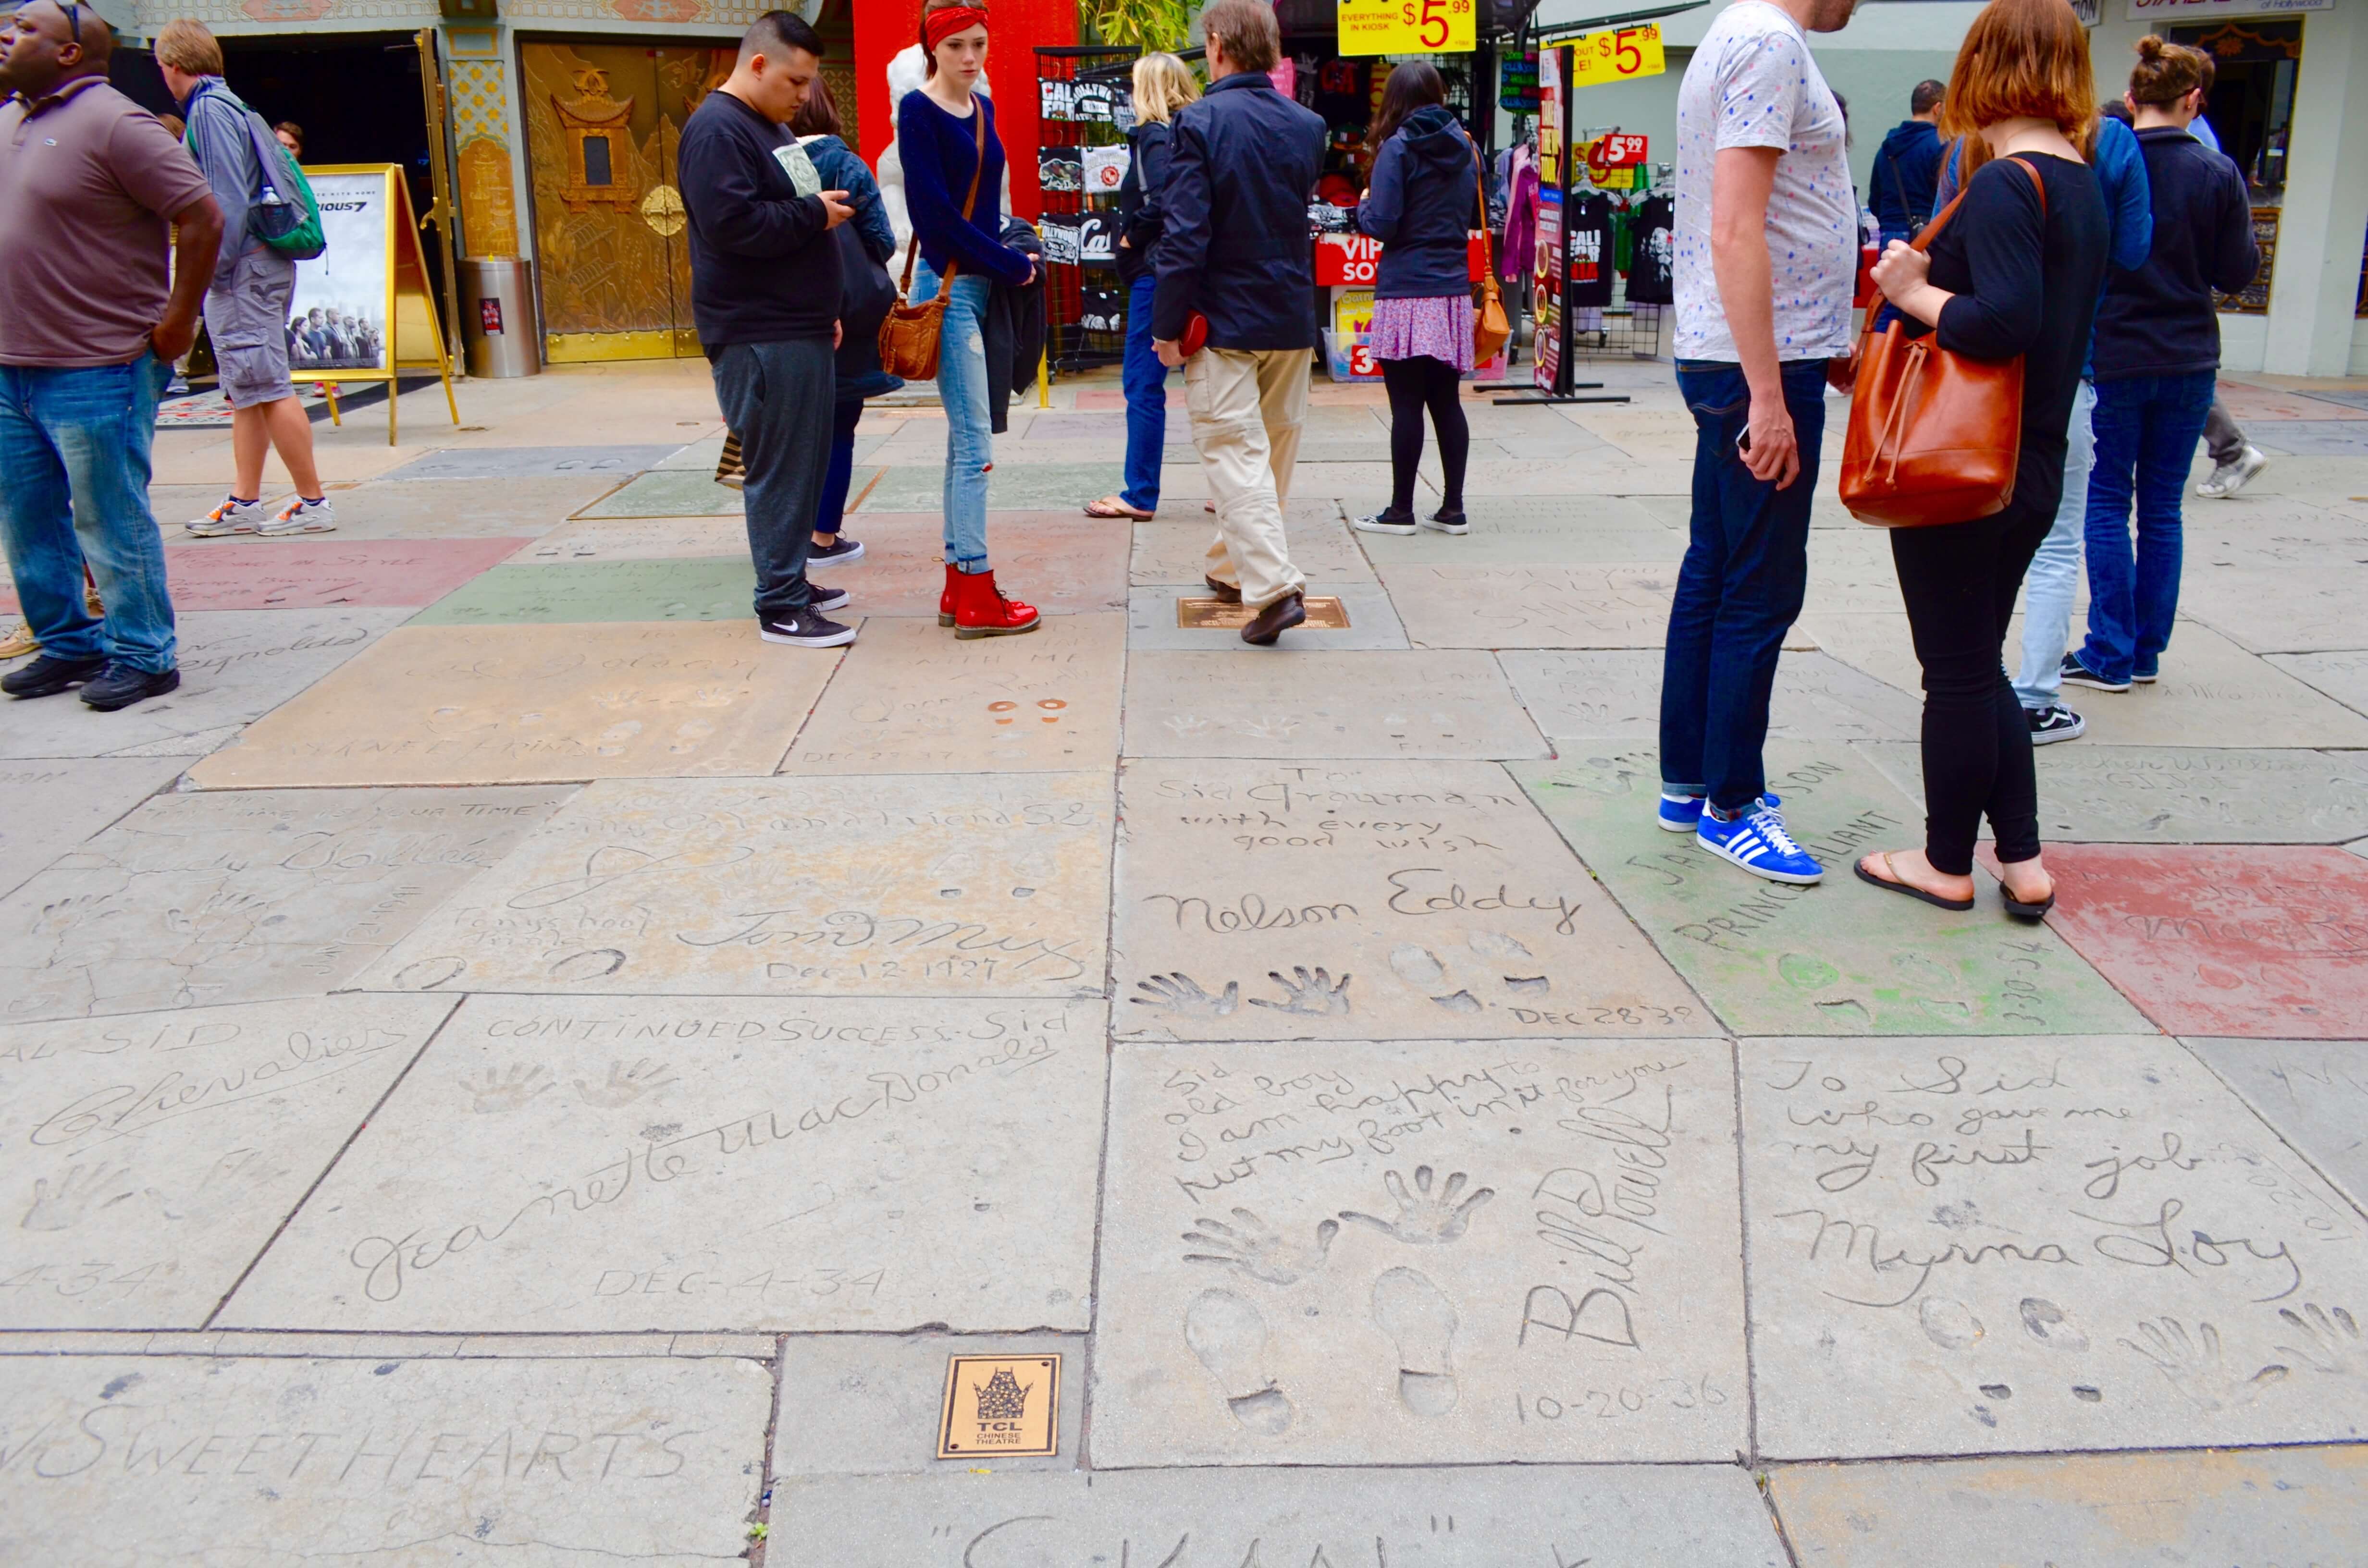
(602, 125)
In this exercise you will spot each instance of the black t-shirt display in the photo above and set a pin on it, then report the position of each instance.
(1587, 241)
(1651, 276)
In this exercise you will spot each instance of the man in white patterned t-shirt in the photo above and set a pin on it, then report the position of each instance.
(1767, 250)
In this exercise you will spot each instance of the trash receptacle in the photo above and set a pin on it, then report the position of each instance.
(497, 313)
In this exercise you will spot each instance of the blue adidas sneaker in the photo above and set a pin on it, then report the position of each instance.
(1682, 813)
(1756, 841)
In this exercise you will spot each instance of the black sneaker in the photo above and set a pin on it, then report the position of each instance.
(841, 550)
(822, 598)
(120, 686)
(2055, 723)
(2147, 677)
(1448, 520)
(805, 627)
(48, 676)
(2074, 673)
(1388, 520)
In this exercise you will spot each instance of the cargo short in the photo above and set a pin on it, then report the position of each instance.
(246, 320)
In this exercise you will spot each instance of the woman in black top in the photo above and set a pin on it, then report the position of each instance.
(2014, 272)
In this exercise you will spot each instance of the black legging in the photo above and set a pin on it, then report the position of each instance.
(1960, 582)
(1414, 385)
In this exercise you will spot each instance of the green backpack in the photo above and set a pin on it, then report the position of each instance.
(283, 213)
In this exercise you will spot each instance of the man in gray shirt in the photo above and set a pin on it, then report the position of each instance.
(246, 309)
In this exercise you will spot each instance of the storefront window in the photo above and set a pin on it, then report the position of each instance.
(2251, 108)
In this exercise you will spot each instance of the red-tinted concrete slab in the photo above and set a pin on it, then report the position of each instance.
(1061, 562)
(2246, 402)
(2266, 941)
(320, 574)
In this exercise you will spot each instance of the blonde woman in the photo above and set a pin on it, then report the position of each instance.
(1163, 85)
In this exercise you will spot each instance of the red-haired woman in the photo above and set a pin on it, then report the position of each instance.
(945, 134)
(2015, 273)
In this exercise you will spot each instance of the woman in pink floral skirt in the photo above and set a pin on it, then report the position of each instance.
(1423, 204)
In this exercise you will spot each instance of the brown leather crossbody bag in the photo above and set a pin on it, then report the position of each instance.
(909, 334)
(1934, 436)
(1490, 328)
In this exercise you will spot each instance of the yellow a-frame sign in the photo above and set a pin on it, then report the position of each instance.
(363, 311)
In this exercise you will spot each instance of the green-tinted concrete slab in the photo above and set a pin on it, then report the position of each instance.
(2104, 794)
(712, 589)
(1840, 958)
(532, 462)
(1025, 487)
(668, 493)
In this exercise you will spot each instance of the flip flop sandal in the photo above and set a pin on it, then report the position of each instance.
(1112, 509)
(2022, 911)
(1890, 884)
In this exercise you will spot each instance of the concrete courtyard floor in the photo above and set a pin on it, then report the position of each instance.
(506, 1068)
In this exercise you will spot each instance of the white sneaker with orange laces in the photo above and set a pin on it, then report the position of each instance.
(232, 517)
(301, 517)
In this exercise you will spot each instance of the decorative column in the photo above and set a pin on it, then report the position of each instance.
(487, 150)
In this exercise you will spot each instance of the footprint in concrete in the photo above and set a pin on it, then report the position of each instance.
(1461, 1002)
(1418, 967)
(1496, 945)
(1533, 986)
(1419, 1316)
(1803, 972)
(2045, 1322)
(1848, 1008)
(1948, 1323)
(1228, 1334)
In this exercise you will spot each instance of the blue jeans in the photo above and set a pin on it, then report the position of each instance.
(2055, 577)
(1145, 379)
(2147, 430)
(839, 477)
(73, 451)
(1739, 589)
(970, 435)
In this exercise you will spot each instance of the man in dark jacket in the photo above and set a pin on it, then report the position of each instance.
(1908, 167)
(764, 293)
(1235, 249)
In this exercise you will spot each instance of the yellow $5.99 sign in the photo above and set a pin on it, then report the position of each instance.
(1621, 56)
(1410, 27)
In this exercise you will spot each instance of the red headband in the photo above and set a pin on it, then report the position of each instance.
(940, 26)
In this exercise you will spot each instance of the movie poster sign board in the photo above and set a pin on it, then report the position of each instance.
(363, 311)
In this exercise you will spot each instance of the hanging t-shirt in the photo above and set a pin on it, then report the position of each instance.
(1587, 241)
(1650, 280)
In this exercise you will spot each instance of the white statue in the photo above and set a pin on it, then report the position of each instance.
(906, 72)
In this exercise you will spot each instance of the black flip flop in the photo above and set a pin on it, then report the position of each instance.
(1956, 905)
(2022, 911)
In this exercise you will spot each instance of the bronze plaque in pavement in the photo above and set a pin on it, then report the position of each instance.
(1000, 1406)
(1211, 615)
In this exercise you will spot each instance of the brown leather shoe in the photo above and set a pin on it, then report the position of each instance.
(1275, 619)
(1226, 593)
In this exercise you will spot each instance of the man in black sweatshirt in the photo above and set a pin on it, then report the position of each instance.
(764, 291)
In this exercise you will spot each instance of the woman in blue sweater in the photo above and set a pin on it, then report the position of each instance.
(945, 134)
(865, 296)
(1422, 205)
(2158, 361)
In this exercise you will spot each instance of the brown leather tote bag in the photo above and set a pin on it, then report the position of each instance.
(910, 334)
(1934, 436)
(1490, 329)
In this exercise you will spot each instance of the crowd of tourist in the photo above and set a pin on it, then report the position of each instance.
(2018, 224)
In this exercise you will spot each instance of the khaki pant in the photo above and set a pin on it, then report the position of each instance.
(1248, 408)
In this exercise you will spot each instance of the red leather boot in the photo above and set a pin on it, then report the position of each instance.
(981, 610)
(945, 599)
